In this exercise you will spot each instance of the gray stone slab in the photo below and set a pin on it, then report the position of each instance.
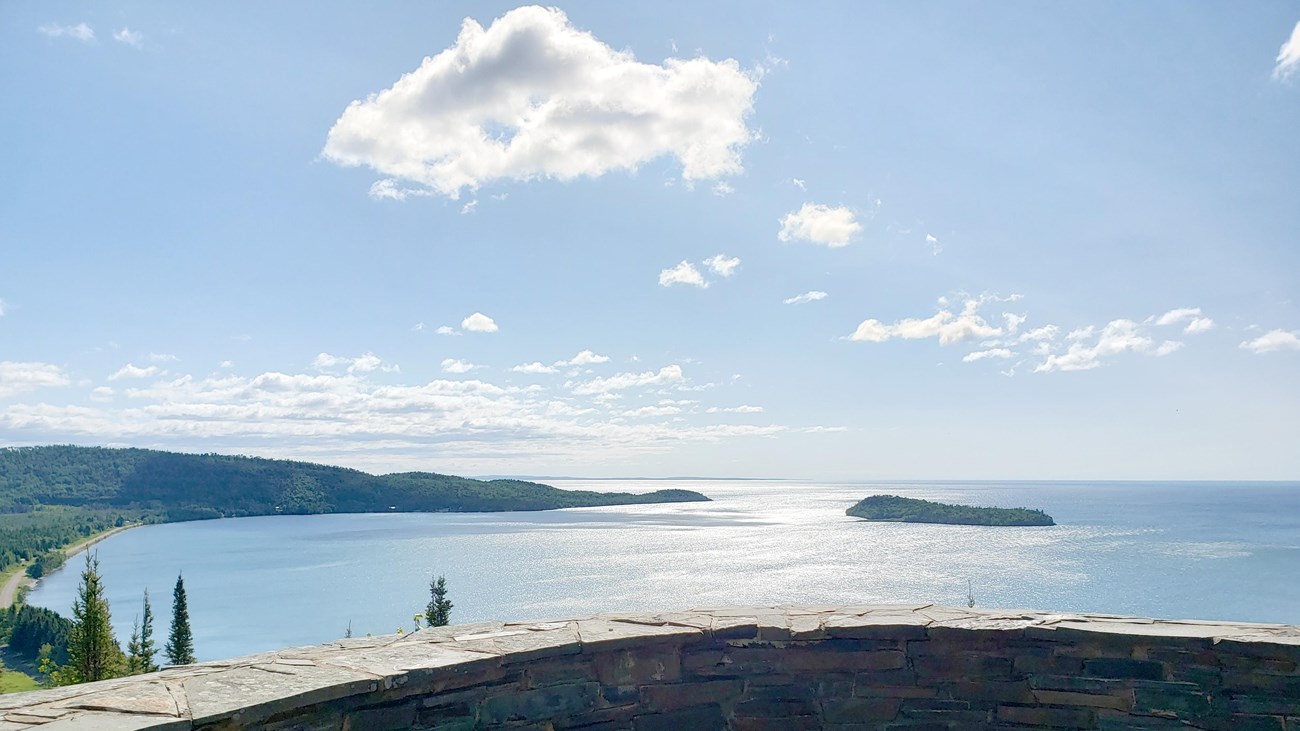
(92, 721)
(147, 697)
(248, 694)
(528, 644)
(603, 634)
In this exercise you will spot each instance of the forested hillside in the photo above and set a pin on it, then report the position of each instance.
(193, 486)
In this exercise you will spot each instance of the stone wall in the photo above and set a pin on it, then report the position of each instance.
(915, 667)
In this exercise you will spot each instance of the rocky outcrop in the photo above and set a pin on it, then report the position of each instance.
(889, 667)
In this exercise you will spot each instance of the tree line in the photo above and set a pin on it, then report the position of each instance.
(90, 651)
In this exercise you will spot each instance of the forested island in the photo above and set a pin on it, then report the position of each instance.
(891, 508)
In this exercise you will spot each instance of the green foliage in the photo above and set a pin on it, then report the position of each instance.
(180, 642)
(174, 487)
(438, 613)
(47, 563)
(39, 532)
(911, 510)
(140, 650)
(93, 653)
(26, 629)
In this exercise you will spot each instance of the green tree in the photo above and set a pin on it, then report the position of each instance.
(140, 650)
(180, 643)
(93, 653)
(438, 613)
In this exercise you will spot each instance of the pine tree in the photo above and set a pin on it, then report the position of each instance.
(180, 643)
(147, 648)
(93, 653)
(438, 613)
(133, 653)
(140, 650)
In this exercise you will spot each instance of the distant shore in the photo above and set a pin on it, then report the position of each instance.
(19, 579)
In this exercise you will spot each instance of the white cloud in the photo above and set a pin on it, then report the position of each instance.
(933, 242)
(1013, 321)
(364, 363)
(19, 377)
(723, 189)
(585, 357)
(653, 411)
(101, 394)
(683, 273)
(1288, 57)
(453, 365)
(1046, 332)
(1173, 317)
(468, 208)
(417, 327)
(80, 31)
(534, 368)
(478, 323)
(388, 188)
(1117, 337)
(805, 298)
(742, 409)
(721, 265)
(132, 38)
(131, 370)
(800, 184)
(949, 328)
(622, 381)
(1196, 322)
(1168, 346)
(446, 330)
(226, 364)
(990, 353)
(533, 97)
(834, 227)
(1273, 340)
(356, 420)
(162, 357)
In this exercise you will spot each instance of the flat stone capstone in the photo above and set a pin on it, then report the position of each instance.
(901, 666)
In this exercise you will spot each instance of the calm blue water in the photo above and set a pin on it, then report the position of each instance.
(1190, 550)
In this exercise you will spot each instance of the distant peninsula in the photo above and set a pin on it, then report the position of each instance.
(172, 487)
(894, 509)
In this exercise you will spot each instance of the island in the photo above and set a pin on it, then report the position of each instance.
(894, 509)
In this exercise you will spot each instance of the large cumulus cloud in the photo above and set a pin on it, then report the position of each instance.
(533, 97)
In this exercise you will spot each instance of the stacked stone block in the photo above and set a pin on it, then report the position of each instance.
(915, 667)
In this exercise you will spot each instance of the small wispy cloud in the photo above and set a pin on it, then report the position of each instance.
(132, 38)
(1288, 57)
(805, 298)
(478, 323)
(722, 265)
(130, 370)
(455, 365)
(820, 224)
(683, 273)
(80, 32)
(1273, 340)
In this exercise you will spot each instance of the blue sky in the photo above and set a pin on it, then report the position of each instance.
(822, 240)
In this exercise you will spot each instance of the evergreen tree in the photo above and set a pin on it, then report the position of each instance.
(147, 648)
(93, 653)
(438, 613)
(180, 643)
(140, 650)
(133, 664)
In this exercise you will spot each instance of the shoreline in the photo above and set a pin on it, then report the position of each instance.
(15, 583)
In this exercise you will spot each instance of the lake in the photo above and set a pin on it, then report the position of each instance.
(1163, 549)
